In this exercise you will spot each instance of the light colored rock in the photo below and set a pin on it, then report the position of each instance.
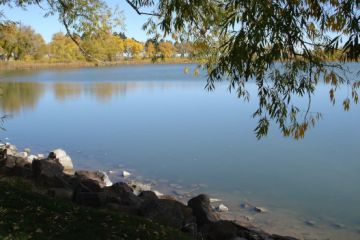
(139, 187)
(10, 152)
(58, 153)
(212, 200)
(66, 163)
(64, 159)
(222, 208)
(31, 158)
(158, 194)
(106, 179)
(40, 156)
(27, 150)
(22, 154)
(10, 146)
(126, 174)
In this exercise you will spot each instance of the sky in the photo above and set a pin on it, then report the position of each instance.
(47, 26)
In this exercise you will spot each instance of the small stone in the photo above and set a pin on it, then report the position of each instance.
(27, 150)
(105, 178)
(310, 223)
(126, 174)
(260, 209)
(245, 205)
(222, 208)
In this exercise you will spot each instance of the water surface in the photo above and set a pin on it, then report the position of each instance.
(161, 124)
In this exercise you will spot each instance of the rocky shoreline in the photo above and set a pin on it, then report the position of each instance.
(55, 175)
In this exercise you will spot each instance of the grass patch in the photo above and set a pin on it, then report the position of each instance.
(26, 65)
(27, 215)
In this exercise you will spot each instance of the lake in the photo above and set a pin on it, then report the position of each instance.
(162, 125)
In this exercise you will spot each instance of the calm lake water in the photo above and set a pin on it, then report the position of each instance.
(160, 124)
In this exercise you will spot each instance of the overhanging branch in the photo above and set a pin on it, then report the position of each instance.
(139, 12)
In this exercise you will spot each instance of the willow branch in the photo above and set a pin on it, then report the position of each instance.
(139, 12)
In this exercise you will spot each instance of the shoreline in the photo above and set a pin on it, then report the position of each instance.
(274, 220)
(34, 65)
(56, 174)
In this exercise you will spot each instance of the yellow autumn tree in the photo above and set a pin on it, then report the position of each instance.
(166, 49)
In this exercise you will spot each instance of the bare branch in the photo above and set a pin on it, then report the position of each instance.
(139, 12)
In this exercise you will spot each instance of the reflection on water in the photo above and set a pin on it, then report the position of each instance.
(161, 123)
(16, 96)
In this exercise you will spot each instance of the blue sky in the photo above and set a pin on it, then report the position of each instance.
(34, 16)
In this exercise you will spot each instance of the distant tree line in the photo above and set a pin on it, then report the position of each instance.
(18, 42)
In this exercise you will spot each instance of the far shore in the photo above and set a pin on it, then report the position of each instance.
(33, 65)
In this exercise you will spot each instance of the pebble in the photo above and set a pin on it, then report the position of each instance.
(245, 205)
(222, 208)
(125, 174)
(310, 223)
(260, 209)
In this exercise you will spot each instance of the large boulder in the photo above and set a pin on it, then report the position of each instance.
(99, 177)
(170, 213)
(201, 208)
(63, 159)
(48, 173)
(122, 194)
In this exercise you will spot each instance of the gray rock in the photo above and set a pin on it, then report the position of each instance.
(148, 196)
(122, 194)
(222, 208)
(169, 213)
(260, 209)
(200, 206)
(100, 177)
(48, 172)
(139, 187)
(310, 223)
